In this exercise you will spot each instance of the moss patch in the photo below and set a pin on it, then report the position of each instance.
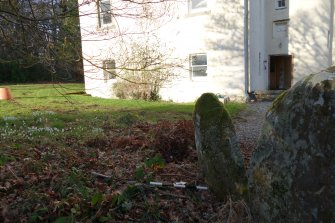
(218, 151)
(276, 103)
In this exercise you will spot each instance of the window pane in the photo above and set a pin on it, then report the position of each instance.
(197, 4)
(199, 60)
(280, 3)
(105, 12)
(105, 6)
(106, 18)
(199, 71)
(280, 29)
(109, 69)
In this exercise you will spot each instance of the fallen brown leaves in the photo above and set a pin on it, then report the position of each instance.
(55, 183)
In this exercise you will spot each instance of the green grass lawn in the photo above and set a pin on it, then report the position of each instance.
(53, 136)
(66, 99)
(46, 109)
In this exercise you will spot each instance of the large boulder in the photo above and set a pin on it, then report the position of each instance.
(292, 172)
(218, 151)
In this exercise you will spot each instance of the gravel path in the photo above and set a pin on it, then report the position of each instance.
(248, 125)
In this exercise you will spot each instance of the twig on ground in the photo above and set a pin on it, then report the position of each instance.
(172, 195)
(172, 175)
(12, 172)
(100, 175)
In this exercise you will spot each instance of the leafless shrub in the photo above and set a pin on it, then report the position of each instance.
(234, 212)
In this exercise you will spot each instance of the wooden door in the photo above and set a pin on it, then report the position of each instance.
(280, 72)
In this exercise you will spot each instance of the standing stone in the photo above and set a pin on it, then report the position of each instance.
(292, 172)
(218, 151)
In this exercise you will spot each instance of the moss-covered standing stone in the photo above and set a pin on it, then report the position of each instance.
(218, 151)
(292, 172)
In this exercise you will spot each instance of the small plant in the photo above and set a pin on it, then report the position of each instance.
(150, 165)
(74, 182)
(97, 141)
(4, 159)
(127, 120)
(37, 215)
(123, 200)
(64, 220)
(96, 199)
(234, 211)
(262, 177)
(147, 71)
(155, 162)
(59, 124)
(174, 140)
(106, 218)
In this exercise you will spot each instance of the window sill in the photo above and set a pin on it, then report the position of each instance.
(105, 28)
(110, 81)
(199, 79)
(281, 8)
(198, 13)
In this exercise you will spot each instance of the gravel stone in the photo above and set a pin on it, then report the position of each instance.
(248, 125)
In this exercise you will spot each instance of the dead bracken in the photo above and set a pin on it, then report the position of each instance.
(51, 183)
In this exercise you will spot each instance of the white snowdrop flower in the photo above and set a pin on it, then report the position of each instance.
(9, 118)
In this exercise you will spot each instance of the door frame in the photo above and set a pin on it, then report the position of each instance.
(273, 71)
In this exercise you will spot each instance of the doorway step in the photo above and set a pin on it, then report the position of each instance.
(268, 95)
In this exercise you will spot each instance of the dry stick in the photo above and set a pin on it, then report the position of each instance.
(230, 210)
(186, 171)
(176, 185)
(172, 175)
(172, 195)
(100, 175)
(98, 213)
(12, 172)
(105, 176)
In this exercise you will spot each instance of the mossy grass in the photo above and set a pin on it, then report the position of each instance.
(52, 114)
(59, 99)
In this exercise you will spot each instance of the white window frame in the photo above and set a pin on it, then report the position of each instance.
(194, 67)
(109, 71)
(281, 4)
(195, 10)
(280, 24)
(102, 14)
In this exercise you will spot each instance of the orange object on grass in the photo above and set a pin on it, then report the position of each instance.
(5, 93)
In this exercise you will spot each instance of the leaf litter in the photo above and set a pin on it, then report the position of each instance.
(106, 178)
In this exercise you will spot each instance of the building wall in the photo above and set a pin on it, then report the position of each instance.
(258, 54)
(309, 27)
(307, 40)
(103, 43)
(216, 31)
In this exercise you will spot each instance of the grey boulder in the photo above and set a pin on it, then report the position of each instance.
(292, 171)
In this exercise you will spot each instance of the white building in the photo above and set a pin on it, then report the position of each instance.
(287, 39)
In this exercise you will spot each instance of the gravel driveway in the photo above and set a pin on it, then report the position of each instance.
(248, 125)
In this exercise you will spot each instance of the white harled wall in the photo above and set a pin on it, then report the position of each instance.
(258, 55)
(216, 31)
(308, 38)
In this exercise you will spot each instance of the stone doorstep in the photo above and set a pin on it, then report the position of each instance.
(268, 95)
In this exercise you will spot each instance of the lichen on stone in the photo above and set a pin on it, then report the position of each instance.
(218, 151)
(277, 101)
(292, 171)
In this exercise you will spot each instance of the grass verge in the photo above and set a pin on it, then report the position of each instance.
(53, 138)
